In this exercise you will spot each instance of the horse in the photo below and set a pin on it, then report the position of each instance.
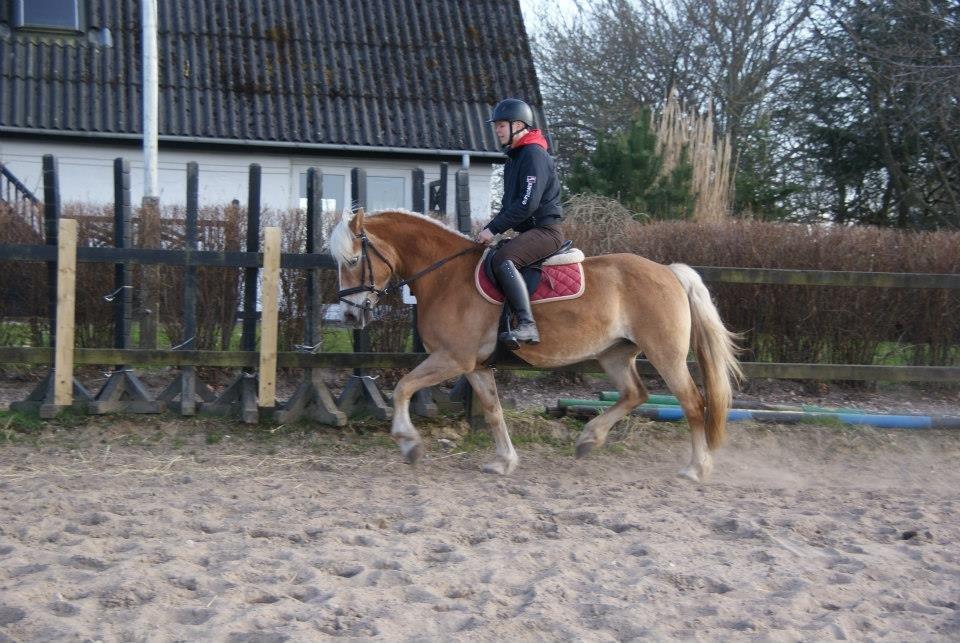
(631, 305)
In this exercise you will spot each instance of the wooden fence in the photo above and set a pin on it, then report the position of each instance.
(253, 391)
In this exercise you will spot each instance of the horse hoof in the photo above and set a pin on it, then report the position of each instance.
(583, 449)
(689, 473)
(697, 471)
(494, 467)
(412, 455)
(500, 467)
(694, 473)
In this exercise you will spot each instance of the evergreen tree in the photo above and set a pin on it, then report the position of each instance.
(761, 186)
(626, 167)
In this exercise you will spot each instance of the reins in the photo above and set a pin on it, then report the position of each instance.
(367, 265)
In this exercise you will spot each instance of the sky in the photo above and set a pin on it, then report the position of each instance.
(533, 8)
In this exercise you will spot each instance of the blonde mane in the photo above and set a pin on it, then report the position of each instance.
(341, 239)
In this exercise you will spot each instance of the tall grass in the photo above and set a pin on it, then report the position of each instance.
(682, 133)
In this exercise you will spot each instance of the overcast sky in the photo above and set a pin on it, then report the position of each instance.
(532, 9)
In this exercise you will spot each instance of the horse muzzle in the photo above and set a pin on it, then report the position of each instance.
(357, 316)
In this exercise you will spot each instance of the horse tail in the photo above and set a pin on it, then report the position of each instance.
(716, 351)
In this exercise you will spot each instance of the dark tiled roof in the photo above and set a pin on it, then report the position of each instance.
(384, 73)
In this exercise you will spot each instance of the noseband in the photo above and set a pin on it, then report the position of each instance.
(367, 273)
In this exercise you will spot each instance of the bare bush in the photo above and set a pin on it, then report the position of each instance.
(819, 323)
(598, 224)
(782, 323)
(23, 286)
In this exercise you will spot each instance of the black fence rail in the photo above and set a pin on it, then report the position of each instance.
(123, 391)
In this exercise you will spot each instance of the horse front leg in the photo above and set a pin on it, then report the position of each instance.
(433, 370)
(485, 386)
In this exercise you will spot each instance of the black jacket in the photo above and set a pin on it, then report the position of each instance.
(531, 189)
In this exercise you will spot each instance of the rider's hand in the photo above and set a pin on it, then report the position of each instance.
(485, 237)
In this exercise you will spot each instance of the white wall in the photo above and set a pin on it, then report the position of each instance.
(86, 174)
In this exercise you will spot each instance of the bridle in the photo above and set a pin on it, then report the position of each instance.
(368, 281)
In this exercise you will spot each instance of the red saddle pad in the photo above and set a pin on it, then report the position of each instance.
(557, 282)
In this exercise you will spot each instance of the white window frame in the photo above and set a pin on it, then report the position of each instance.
(300, 172)
(20, 18)
(393, 176)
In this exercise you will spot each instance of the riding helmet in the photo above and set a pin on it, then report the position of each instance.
(512, 109)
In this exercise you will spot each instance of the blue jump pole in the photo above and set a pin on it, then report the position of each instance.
(673, 414)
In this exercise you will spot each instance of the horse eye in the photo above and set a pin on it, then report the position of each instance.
(353, 261)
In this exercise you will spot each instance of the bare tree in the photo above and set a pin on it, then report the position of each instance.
(617, 55)
(598, 69)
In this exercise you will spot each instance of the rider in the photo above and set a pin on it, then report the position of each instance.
(531, 206)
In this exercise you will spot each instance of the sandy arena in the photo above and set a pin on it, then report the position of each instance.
(163, 529)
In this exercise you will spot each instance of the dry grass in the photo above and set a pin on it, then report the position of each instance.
(683, 133)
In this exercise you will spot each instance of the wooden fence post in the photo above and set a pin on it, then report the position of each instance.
(471, 402)
(150, 237)
(437, 199)
(51, 220)
(123, 391)
(422, 402)
(464, 222)
(241, 395)
(187, 387)
(361, 395)
(267, 391)
(417, 192)
(66, 307)
(122, 238)
(358, 198)
(312, 397)
(190, 387)
(248, 339)
(43, 394)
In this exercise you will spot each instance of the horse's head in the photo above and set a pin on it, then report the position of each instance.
(363, 266)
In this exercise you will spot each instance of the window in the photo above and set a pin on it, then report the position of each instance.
(54, 15)
(385, 192)
(331, 185)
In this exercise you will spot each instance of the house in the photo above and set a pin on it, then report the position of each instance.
(384, 85)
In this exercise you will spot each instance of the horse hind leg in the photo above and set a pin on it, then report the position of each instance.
(485, 386)
(619, 363)
(677, 377)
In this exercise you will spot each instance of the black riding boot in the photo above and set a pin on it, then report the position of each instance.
(515, 290)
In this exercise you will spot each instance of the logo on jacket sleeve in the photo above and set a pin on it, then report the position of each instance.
(526, 195)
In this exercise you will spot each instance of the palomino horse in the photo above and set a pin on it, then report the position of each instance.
(631, 305)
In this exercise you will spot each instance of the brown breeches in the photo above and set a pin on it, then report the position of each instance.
(530, 246)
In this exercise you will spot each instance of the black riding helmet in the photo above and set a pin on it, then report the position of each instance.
(512, 109)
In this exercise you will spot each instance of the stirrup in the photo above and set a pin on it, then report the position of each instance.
(533, 334)
(509, 340)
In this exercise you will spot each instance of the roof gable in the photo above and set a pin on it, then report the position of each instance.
(385, 73)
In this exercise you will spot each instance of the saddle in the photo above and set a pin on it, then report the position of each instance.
(555, 277)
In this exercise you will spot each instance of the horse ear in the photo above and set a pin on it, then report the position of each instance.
(356, 223)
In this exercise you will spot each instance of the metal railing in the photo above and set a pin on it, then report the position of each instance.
(18, 196)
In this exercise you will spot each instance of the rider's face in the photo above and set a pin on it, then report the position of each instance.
(502, 130)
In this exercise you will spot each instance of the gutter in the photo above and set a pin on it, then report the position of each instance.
(286, 145)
